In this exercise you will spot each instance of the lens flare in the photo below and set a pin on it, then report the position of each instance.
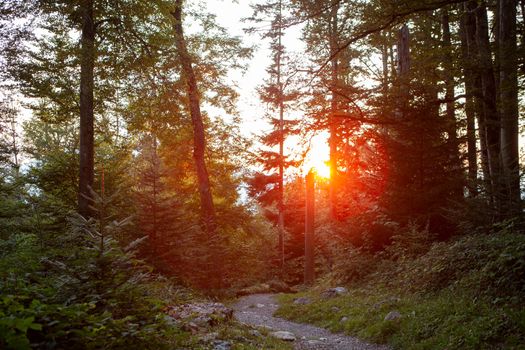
(322, 170)
(318, 157)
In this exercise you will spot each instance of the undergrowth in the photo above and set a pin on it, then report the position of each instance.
(463, 294)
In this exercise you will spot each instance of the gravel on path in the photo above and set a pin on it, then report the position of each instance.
(258, 309)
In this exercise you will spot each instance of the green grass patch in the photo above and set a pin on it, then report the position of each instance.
(434, 321)
(466, 294)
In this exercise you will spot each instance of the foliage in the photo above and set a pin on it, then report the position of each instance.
(85, 297)
(463, 294)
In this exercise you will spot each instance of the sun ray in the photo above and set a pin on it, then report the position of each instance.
(317, 158)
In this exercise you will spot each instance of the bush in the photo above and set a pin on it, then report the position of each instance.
(486, 264)
(353, 264)
(84, 295)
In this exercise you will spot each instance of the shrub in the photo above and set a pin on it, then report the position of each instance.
(487, 264)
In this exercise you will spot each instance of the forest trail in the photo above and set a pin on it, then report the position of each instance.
(258, 309)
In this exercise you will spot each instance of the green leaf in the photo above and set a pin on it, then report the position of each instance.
(35, 326)
(22, 324)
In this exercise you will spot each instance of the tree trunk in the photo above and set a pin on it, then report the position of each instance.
(309, 230)
(403, 49)
(281, 141)
(332, 141)
(199, 138)
(492, 120)
(477, 91)
(384, 59)
(450, 104)
(496, 49)
(508, 78)
(87, 65)
(403, 66)
(470, 110)
(155, 172)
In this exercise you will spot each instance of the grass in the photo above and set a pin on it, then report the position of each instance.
(445, 320)
(475, 307)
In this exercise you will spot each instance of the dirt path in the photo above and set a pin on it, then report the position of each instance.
(257, 310)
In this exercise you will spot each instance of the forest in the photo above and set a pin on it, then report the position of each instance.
(156, 193)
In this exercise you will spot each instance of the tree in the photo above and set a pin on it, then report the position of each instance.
(508, 82)
(492, 123)
(278, 92)
(333, 89)
(199, 136)
(471, 102)
(87, 118)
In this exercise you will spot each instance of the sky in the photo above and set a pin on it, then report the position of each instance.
(252, 111)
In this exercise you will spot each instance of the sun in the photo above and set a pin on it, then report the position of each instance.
(322, 170)
(317, 158)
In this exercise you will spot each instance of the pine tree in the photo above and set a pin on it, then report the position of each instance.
(277, 92)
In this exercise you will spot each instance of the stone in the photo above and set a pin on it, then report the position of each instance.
(209, 337)
(302, 301)
(335, 309)
(191, 327)
(393, 315)
(171, 321)
(221, 345)
(323, 339)
(263, 326)
(283, 335)
(314, 342)
(202, 321)
(343, 319)
(199, 315)
(255, 333)
(340, 290)
(259, 306)
(333, 292)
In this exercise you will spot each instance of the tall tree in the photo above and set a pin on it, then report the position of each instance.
(450, 106)
(280, 97)
(87, 117)
(470, 108)
(473, 64)
(199, 134)
(333, 43)
(508, 82)
(489, 93)
(278, 92)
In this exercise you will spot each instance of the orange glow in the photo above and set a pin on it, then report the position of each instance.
(318, 157)
(322, 170)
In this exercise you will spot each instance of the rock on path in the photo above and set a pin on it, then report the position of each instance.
(248, 310)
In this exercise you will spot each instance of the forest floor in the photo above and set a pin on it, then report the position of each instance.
(257, 310)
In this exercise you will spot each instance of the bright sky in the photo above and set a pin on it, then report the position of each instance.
(229, 15)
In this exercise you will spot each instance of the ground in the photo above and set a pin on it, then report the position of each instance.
(257, 310)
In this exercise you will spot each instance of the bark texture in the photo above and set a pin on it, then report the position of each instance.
(332, 141)
(492, 120)
(470, 111)
(281, 139)
(450, 104)
(508, 77)
(199, 136)
(477, 91)
(87, 65)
